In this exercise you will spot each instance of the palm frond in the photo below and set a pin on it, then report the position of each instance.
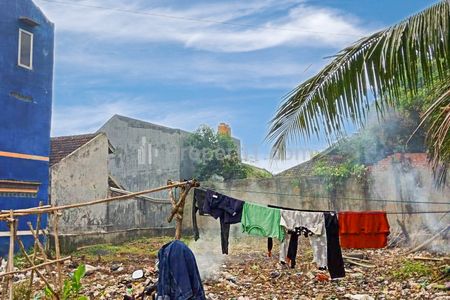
(399, 59)
(437, 116)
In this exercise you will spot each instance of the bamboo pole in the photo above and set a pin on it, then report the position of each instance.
(56, 215)
(40, 246)
(30, 261)
(50, 262)
(178, 206)
(10, 268)
(431, 258)
(37, 210)
(428, 241)
(35, 249)
(185, 190)
(27, 209)
(179, 216)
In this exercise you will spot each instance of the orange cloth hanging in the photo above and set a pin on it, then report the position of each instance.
(365, 229)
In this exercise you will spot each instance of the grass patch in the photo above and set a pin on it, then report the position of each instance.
(147, 247)
(411, 269)
(21, 290)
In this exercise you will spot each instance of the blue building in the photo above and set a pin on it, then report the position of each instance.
(26, 82)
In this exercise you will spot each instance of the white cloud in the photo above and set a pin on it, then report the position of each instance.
(231, 73)
(276, 166)
(259, 156)
(303, 25)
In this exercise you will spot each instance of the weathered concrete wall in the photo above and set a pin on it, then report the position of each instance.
(80, 177)
(390, 185)
(146, 155)
(138, 213)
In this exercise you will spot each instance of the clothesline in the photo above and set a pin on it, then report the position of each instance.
(326, 230)
(270, 222)
(387, 212)
(417, 212)
(327, 197)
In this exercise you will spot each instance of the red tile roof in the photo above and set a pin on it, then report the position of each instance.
(62, 146)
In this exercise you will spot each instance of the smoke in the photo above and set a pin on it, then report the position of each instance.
(208, 253)
(399, 171)
(407, 178)
(208, 249)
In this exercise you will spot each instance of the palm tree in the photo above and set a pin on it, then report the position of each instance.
(375, 72)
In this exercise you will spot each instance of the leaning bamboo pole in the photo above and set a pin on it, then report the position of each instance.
(40, 246)
(33, 259)
(50, 262)
(38, 210)
(32, 263)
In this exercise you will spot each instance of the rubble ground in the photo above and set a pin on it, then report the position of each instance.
(248, 273)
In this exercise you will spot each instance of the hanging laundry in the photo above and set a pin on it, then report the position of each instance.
(288, 248)
(197, 206)
(314, 223)
(284, 247)
(334, 253)
(365, 229)
(269, 246)
(227, 209)
(262, 221)
(292, 250)
(179, 277)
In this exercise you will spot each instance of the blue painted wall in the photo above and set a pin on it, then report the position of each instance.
(24, 122)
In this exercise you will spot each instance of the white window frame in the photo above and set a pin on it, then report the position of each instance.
(30, 67)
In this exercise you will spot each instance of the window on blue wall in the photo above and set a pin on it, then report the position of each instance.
(25, 49)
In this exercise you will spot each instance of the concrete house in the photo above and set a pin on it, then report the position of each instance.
(79, 173)
(26, 76)
(125, 155)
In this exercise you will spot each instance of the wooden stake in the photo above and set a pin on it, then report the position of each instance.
(10, 268)
(178, 207)
(56, 215)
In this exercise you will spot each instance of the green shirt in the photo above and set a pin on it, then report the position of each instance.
(262, 221)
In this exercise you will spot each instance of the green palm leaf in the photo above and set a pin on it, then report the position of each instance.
(391, 62)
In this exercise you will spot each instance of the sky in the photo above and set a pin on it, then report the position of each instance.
(185, 63)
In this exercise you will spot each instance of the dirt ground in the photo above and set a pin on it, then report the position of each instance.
(247, 273)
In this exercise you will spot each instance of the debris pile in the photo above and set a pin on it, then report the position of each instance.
(247, 273)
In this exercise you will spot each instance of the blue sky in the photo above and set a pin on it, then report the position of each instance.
(186, 63)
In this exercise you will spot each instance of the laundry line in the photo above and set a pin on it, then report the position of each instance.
(327, 197)
(335, 211)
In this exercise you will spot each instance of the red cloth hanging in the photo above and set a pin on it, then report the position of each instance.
(365, 229)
